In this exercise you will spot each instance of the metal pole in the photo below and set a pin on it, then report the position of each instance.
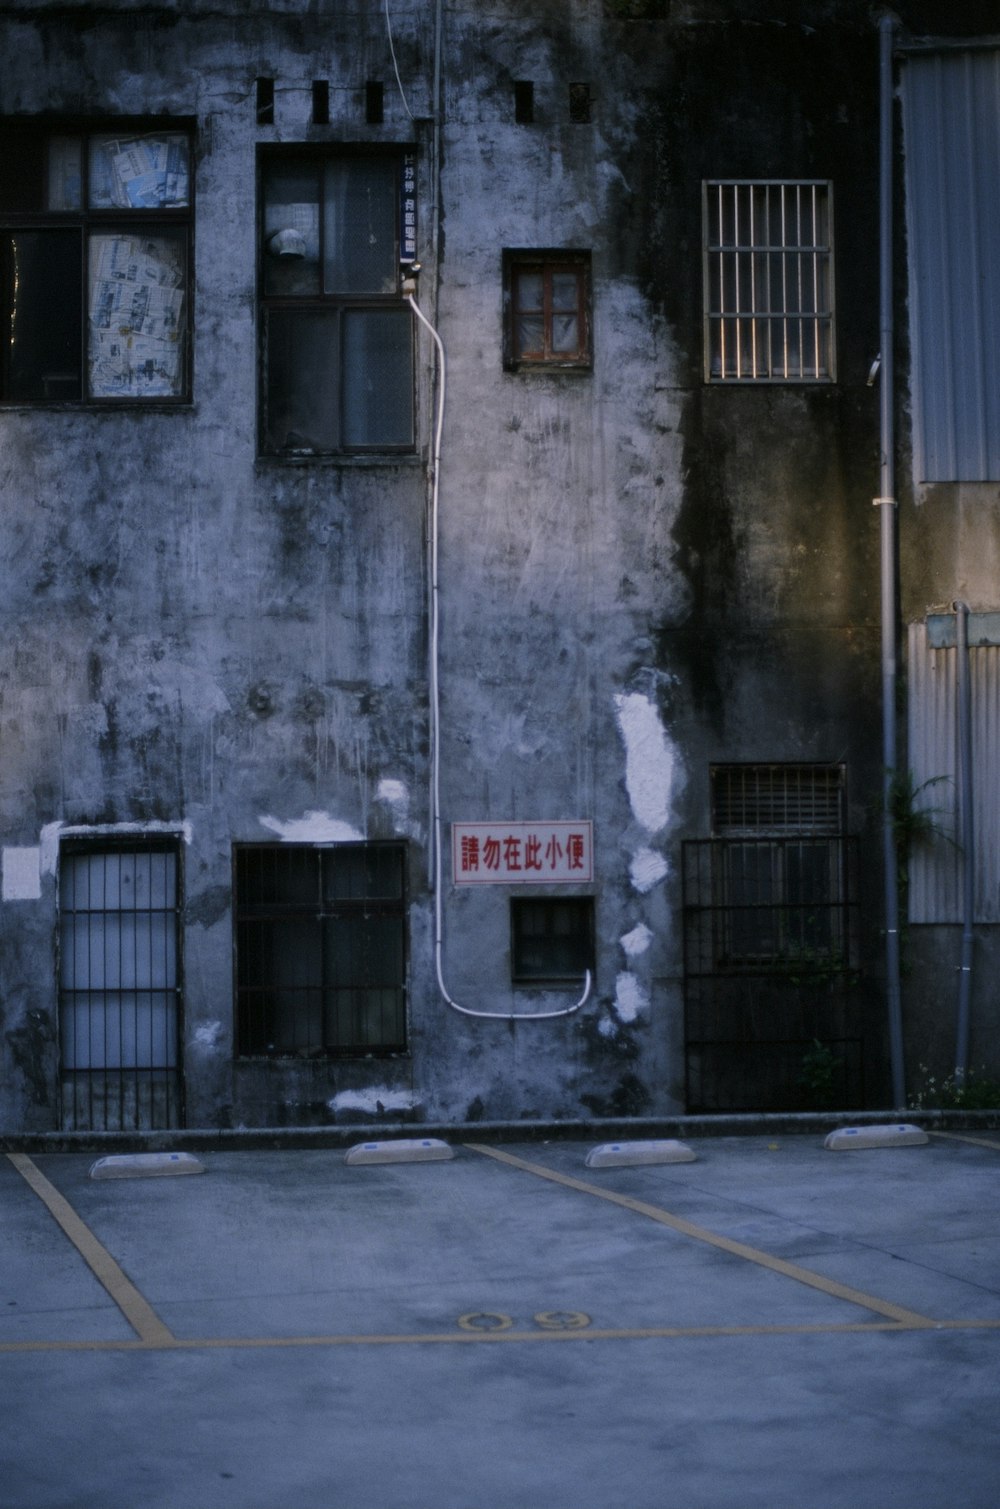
(886, 503)
(964, 710)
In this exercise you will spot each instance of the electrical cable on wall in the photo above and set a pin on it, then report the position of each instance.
(395, 65)
(409, 288)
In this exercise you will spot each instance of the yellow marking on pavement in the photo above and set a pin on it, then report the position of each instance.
(464, 1338)
(896, 1313)
(137, 1311)
(961, 1137)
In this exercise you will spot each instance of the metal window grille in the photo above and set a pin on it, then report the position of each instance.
(119, 997)
(771, 942)
(552, 939)
(768, 281)
(320, 949)
(776, 872)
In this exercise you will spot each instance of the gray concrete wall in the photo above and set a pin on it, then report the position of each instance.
(639, 575)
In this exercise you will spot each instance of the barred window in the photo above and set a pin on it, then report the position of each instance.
(320, 949)
(552, 939)
(780, 858)
(95, 231)
(768, 281)
(337, 335)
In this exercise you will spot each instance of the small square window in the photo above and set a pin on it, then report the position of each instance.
(552, 939)
(95, 253)
(768, 282)
(337, 335)
(320, 949)
(548, 308)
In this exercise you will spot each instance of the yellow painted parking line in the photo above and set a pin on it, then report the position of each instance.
(137, 1311)
(976, 1141)
(493, 1338)
(896, 1313)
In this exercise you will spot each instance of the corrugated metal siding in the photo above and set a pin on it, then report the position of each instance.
(936, 867)
(951, 131)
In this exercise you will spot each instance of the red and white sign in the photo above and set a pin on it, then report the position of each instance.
(522, 853)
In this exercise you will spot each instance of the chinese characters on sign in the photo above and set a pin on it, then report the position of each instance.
(522, 853)
(408, 210)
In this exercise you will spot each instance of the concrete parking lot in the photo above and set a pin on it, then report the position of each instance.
(773, 1325)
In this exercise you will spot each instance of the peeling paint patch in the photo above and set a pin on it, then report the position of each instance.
(375, 1100)
(649, 760)
(313, 828)
(22, 874)
(395, 795)
(53, 832)
(607, 1027)
(207, 1035)
(637, 941)
(647, 869)
(630, 998)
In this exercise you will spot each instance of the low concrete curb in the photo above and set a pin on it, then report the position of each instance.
(236, 1139)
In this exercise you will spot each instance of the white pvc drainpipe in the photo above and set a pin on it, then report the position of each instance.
(409, 288)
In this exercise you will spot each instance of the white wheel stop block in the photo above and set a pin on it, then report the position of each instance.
(402, 1150)
(145, 1166)
(900, 1134)
(632, 1154)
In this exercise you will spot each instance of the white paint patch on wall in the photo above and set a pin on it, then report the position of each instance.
(649, 760)
(380, 1098)
(22, 874)
(395, 794)
(313, 828)
(637, 941)
(207, 1035)
(647, 869)
(53, 832)
(630, 998)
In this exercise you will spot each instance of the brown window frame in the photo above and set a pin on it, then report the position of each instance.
(26, 211)
(517, 266)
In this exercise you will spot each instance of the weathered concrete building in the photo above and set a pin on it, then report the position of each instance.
(442, 670)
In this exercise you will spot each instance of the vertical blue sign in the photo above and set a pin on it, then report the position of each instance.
(408, 209)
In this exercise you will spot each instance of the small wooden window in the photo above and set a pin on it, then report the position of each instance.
(548, 309)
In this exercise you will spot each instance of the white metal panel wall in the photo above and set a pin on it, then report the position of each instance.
(951, 131)
(936, 866)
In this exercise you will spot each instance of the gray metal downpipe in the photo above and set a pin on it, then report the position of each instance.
(964, 719)
(886, 503)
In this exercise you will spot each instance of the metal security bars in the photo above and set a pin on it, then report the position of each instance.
(320, 949)
(771, 943)
(768, 281)
(119, 1000)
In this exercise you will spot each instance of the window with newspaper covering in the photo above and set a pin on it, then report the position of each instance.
(95, 257)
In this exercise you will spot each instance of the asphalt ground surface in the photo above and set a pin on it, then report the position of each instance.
(772, 1325)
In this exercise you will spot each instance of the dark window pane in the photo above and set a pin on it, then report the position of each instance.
(302, 381)
(378, 377)
(291, 228)
(359, 226)
(552, 938)
(41, 315)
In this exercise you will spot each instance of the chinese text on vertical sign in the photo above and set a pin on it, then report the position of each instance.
(522, 853)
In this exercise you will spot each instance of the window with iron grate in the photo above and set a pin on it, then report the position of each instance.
(768, 276)
(320, 949)
(779, 872)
